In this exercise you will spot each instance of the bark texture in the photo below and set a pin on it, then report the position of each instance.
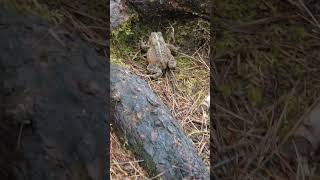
(148, 126)
(119, 12)
(155, 8)
(53, 121)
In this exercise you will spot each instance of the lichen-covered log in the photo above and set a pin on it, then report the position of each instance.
(143, 120)
(149, 8)
(53, 87)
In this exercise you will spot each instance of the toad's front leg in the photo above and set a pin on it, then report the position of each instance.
(155, 70)
(143, 45)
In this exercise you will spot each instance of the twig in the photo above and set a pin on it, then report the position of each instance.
(19, 137)
(310, 14)
(233, 114)
(159, 175)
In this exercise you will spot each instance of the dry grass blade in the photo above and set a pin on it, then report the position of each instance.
(233, 114)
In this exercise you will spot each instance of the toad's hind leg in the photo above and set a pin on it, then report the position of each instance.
(155, 70)
(172, 64)
(173, 49)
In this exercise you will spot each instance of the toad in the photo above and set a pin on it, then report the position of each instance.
(159, 55)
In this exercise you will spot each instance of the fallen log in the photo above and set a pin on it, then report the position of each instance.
(143, 120)
(120, 13)
(53, 87)
(149, 8)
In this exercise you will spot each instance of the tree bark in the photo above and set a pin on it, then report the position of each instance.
(154, 8)
(119, 12)
(145, 122)
(53, 87)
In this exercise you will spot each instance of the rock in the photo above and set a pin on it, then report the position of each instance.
(118, 13)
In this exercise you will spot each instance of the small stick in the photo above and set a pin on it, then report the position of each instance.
(19, 137)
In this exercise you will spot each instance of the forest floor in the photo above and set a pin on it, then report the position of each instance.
(89, 20)
(191, 81)
(266, 74)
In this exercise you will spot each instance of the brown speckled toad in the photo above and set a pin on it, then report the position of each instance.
(159, 56)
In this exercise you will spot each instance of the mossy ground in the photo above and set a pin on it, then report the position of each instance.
(187, 36)
(267, 65)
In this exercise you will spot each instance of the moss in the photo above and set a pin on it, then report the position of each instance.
(298, 33)
(225, 42)
(191, 81)
(190, 34)
(119, 40)
(139, 151)
(255, 95)
(187, 36)
(118, 61)
(183, 62)
(125, 40)
(277, 29)
(227, 89)
(147, 162)
(239, 10)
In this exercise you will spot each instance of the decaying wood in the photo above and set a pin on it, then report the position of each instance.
(143, 120)
(119, 12)
(155, 8)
